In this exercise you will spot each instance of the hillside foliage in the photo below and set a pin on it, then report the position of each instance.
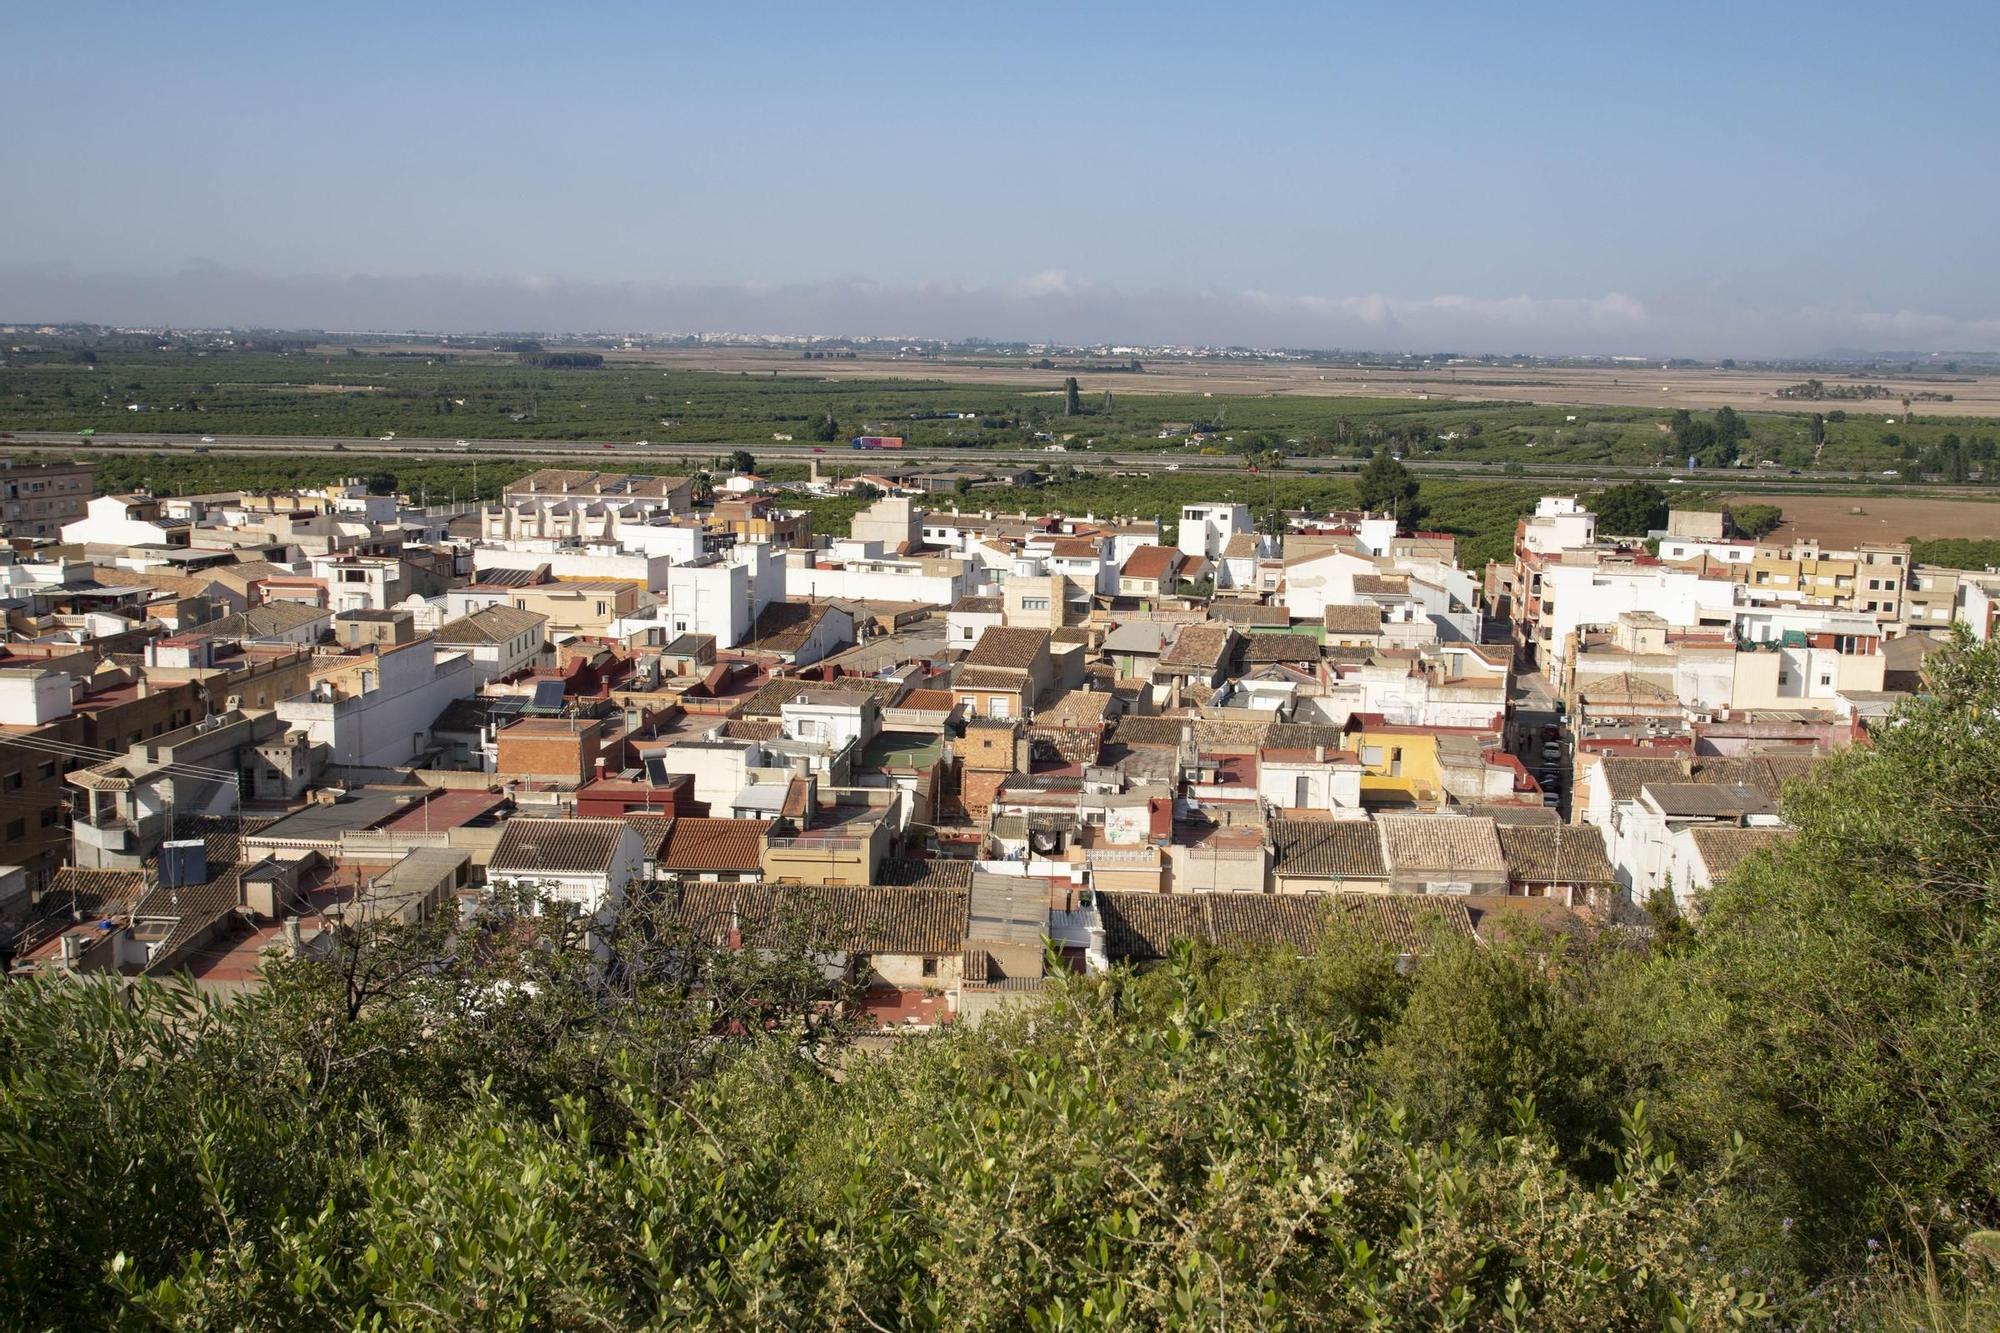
(1787, 1113)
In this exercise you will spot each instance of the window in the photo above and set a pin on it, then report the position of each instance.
(11, 782)
(998, 707)
(17, 828)
(1302, 791)
(49, 817)
(1371, 755)
(1825, 679)
(47, 769)
(1784, 678)
(930, 967)
(1034, 603)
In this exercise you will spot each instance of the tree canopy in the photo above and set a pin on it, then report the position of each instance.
(1631, 510)
(1787, 1110)
(1386, 486)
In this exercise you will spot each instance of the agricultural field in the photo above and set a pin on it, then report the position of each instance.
(1851, 518)
(1642, 385)
(1267, 409)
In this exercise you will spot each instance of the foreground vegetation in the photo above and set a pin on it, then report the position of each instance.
(1787, 1112)
(354, 393)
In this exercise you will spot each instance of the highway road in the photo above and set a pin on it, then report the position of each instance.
(600, 454)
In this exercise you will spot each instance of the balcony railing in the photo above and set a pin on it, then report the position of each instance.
(815, 842)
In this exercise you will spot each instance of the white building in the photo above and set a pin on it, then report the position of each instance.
(1321, 577)
(600, 560)
(1560, 523)
(590, 863)
(722, 595)
(360, 583)
(499, 640)
(377, 710)
(832, 717)
(1315, 779)
(1574, 595)
(126, 520)
(861, 571)
(1206, 528)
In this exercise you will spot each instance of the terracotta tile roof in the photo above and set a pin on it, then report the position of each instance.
(263, 622)
(1241, 546)
(744, 729)
(984, 606)
(860, 919)
(1531, 852)
(784, 627)
(1381, 585)
(652, 831)
(1305, 735)
(1011, 648)
(1146, 925)
(1627, 776)
(1280, 648)
(1766, 773)
(1451, 843)
(1365, 618)
(1200, 646)
(1723, 849)
(192, 908)
(1076, 548)
(557, 846)
(1150, 562)
(928, 701)
(1321, 849)
(988, 678)
(769, 701)
(1249, 613)
(76, 892)
(932, 872)
(494, 624)
(1165, 731)
(1075, 708)
(715, 845)
(1709, 800)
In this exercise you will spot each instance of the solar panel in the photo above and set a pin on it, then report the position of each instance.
(548, 694)
(656, 771)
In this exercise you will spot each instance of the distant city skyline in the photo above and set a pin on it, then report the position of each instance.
(1779, 180)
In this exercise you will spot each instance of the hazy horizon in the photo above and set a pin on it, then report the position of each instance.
(1706, 181)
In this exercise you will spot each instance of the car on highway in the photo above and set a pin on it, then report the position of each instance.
(390, 436)
(208, 439)
(1173, 467)
(818, 450)
(606, 444)
(464, 444)
(201, 448)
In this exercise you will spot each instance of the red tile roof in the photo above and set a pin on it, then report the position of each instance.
(715, 845)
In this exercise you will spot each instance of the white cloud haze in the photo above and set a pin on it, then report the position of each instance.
(1052, 305)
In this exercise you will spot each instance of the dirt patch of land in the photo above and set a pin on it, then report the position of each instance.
(1853, 518)
(1640, 386)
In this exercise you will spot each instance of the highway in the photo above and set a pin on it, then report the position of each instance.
(576, 453)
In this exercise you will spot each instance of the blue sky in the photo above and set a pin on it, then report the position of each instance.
(1739, 179)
